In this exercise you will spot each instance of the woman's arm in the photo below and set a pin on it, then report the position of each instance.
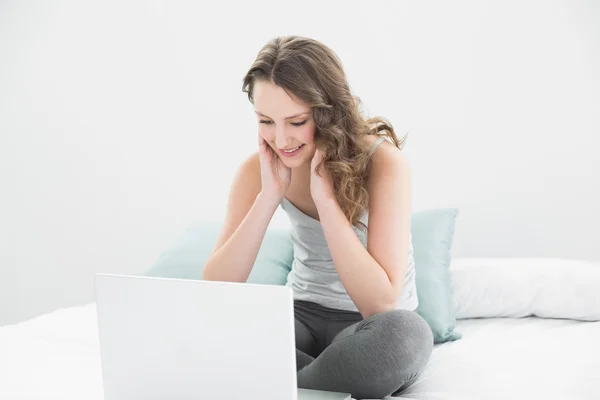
(374, 276)
(247, 219)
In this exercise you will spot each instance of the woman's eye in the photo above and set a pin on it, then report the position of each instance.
(263, 121)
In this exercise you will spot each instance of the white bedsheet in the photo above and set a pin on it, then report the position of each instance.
(504, 358)
(56, 356)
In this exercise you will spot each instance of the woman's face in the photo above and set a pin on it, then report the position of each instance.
(284, 124)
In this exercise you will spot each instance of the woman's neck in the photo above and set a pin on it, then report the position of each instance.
(300, 184)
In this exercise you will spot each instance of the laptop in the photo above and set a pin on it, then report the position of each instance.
(191, 339)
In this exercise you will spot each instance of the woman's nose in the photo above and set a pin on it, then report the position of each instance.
(281, 139)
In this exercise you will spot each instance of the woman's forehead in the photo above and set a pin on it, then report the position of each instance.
(274, 102)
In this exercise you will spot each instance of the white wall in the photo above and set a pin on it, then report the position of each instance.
(121, 122)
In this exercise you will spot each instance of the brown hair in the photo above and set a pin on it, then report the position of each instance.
(312, 73)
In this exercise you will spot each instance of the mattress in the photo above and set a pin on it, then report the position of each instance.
(56, 356)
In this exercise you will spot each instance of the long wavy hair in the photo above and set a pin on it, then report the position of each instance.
(311, 72)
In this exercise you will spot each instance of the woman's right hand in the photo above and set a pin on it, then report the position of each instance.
(275, 176)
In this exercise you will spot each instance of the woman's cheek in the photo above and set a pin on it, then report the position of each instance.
(266, 134)
(308, 135)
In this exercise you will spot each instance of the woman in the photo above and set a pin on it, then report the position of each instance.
(346, 190)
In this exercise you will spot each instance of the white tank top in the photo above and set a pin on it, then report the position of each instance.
(313, 276)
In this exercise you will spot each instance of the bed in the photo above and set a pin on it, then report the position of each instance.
(519, 349)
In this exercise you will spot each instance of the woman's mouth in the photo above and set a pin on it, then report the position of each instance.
(291, 152)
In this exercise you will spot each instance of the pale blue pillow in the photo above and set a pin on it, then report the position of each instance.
(432, 235)
(185, 259)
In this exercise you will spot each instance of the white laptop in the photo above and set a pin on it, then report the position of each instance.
(189, 339)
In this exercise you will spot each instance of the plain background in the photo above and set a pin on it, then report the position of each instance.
(122, 122)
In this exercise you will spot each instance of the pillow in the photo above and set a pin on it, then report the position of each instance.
(523, 287)
(185, 259)
(432, 236)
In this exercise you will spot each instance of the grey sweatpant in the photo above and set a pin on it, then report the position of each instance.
(369, 358)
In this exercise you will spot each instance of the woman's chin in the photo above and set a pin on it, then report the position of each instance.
(294, 162)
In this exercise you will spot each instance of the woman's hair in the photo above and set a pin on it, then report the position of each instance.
(311, 72)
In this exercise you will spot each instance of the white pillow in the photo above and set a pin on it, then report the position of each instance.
(521, 287)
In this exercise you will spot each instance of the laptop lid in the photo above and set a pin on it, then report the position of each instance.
(189, 339)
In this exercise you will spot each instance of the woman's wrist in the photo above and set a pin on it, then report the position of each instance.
(270, 202)
(326, 204)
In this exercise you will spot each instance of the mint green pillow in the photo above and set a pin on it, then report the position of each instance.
(432, 236)
(185, 259)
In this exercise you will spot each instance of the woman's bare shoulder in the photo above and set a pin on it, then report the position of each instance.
(385, 157)
(248, 173)
(384, 150)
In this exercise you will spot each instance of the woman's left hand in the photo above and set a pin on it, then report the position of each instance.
(321, 187)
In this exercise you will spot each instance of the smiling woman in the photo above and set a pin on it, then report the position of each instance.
(307, 77)
(346, 190)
